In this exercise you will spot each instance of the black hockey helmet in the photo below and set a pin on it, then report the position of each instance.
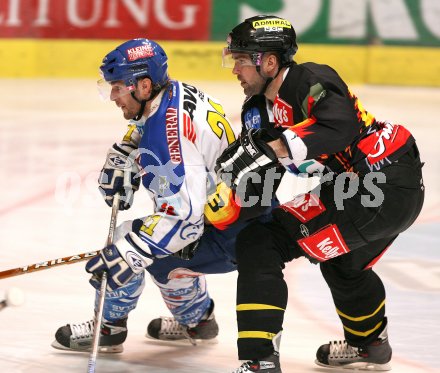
(264, 33)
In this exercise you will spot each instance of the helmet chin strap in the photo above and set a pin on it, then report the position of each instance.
(142, 108)
(143, 103)
(268, 80)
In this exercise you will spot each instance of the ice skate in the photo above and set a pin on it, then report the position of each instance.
(168, 329)
(270, 364)
(79, 337)
(339, 354)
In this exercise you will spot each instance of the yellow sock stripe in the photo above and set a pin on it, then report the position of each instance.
(256, 334)
(363, 334)
(360, 318)
(257, 307)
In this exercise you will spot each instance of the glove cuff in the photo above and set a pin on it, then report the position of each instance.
(257, 148)
(295, 145)
(137, 259)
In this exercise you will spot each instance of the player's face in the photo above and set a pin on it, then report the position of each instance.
(251, 81)
(123, 99)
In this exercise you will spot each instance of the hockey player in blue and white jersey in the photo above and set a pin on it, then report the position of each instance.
(175, 135)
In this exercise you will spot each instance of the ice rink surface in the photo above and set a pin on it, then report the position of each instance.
(54, 135)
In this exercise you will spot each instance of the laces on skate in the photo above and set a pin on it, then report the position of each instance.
(83, 330)
(341, 349)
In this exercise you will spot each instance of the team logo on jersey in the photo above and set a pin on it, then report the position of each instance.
(172, 132)
(282, 112)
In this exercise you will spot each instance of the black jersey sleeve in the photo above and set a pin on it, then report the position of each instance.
(325, 117)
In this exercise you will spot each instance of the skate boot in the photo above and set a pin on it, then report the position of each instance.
(270, 364)
(168, 329)
(339, 354)
(79, 337)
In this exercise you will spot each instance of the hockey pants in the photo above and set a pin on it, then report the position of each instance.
(346, 242)
(181, 282)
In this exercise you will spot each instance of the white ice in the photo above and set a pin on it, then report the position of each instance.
(54, 135)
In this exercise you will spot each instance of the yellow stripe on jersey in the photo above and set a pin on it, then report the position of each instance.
(363, 334)
(361, 318)
(256, 334)
(257, 307)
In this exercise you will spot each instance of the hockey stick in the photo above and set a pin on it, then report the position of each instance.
(47, 264)
(98, 317)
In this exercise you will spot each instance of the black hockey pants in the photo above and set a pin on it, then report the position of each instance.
(346, 242)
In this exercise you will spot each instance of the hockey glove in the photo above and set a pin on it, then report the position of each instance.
(120, 174)
(121, 261)
(250, 153)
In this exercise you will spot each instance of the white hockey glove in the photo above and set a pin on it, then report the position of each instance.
(120, 174)
(121, 261)
(250, 153)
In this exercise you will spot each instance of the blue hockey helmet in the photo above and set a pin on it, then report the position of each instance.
(135, 59)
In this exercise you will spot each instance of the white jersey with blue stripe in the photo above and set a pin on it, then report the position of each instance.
(179, 143)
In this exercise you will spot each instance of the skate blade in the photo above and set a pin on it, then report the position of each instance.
(361, 366)
(102, 349)
(184, 341)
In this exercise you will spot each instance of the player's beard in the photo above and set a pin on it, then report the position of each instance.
(254, 87)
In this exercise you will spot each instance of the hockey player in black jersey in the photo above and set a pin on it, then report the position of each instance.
(371, 191)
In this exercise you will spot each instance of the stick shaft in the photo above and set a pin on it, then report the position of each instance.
(98, 316)
(47, 264)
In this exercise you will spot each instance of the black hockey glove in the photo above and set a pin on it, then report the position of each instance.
(120, 174)
(250, 153)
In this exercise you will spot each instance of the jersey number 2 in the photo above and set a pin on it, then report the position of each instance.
(218, 122)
